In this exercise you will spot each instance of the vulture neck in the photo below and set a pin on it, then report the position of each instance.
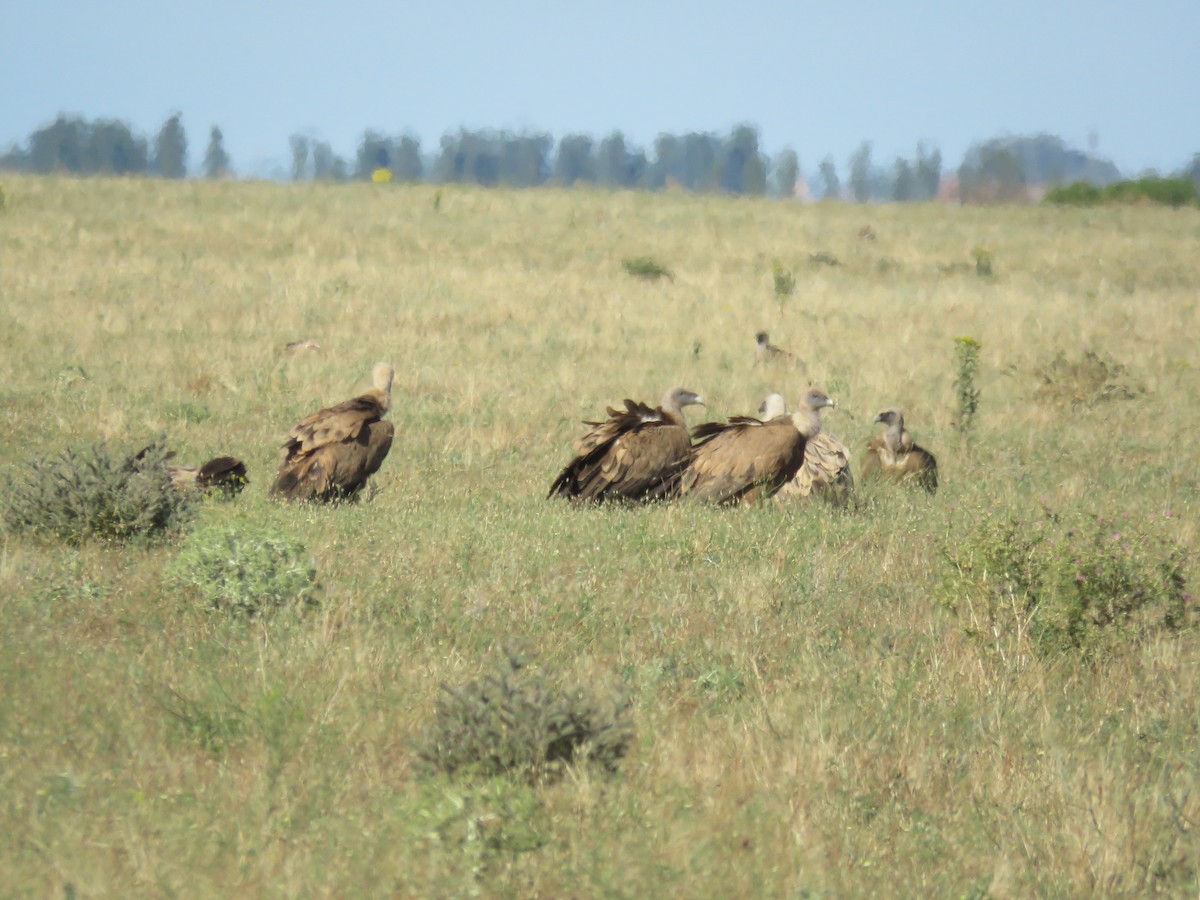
(808, 422)
(671, 409)
(895, 436)
(381, 393)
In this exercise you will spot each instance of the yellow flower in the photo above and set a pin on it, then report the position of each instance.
(381, 176)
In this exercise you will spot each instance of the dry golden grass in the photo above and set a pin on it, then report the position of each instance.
(810, 716)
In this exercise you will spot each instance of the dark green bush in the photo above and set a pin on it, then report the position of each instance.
(96, 493)
(515, 720)
(1174, 192)
(648, 268)
(1084, 583)
(243, 569)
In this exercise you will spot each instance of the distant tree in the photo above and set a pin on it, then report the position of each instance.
(299, 145)
(59, 147)
(406, 159)
(524, 159)
(929, 172)
(216, 160)
(170, 149)
(992, 175)
(787, 173)
(742, 168)
(860, 173)
(904, 182)
(700, 168)
(374, 152)
(574, 160)
(113, 148)
(831, 186)
(327, 165)
(668, 162)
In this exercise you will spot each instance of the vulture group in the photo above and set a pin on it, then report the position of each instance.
(642, 453)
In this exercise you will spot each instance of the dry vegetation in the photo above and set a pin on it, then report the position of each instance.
(820, 703)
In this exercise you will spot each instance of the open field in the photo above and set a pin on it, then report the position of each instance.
(818, 708)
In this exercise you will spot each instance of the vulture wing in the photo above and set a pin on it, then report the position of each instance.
(637, 454)
(741, 459)
(826, 471)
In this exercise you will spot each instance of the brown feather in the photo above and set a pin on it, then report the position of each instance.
(331, 453)
(826, 469)
(636, 454)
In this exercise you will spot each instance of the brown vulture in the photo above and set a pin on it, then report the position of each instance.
(896, 456)
(745, 458)
(221, 475)
(224, 475)
(636, 454)
(765, 351)
(826, 469)
(330, 454)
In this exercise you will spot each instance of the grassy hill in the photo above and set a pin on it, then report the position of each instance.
(878, 702)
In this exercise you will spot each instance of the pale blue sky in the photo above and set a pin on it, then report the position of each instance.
(818, 77)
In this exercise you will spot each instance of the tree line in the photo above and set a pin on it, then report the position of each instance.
(733, 163)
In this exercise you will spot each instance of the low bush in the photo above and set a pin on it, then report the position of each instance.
(96, 493)
(1083, 583)
(243, 569)
(516, 720)
(647, 267)
(1174, 192)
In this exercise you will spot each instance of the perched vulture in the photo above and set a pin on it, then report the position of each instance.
(746, 458)
(826, 469)
(637, 454)
(897, 457)
(331, 453)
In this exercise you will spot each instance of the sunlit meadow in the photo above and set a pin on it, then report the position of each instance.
(823, 703)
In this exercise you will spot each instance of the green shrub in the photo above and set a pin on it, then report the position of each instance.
(1082, 583)
(966, 388)
(648, 268)
(515, 720)
(1173, 192)
(785, 281)
(95, 493)
(244, 570)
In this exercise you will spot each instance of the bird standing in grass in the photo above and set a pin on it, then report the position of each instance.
(897, 457)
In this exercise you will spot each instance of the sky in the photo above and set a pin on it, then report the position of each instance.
(819, 77)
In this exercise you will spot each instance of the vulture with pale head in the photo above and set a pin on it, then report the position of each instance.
(826, 469)
(745, 458)
(330, 454)
(636, 454)
(896, 456)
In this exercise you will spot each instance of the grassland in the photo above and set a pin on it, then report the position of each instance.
(815, 713)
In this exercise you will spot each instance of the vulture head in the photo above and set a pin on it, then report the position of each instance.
(896, 438)
(808, 417)
(772, 407)
(762, 339)
(676, 399)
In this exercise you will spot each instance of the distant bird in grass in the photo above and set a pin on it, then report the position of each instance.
(331, 453)
(636, 454)
(224, 475)
(743, 459)
(897, 457)
(826, 469)
(766, 353)
(300, 346)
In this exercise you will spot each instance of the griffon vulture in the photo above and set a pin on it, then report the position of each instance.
(636, 454)
(826, 469)
(765, 351)
(746, 458)
(331, 453)
(896, 456)
(223, 474)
